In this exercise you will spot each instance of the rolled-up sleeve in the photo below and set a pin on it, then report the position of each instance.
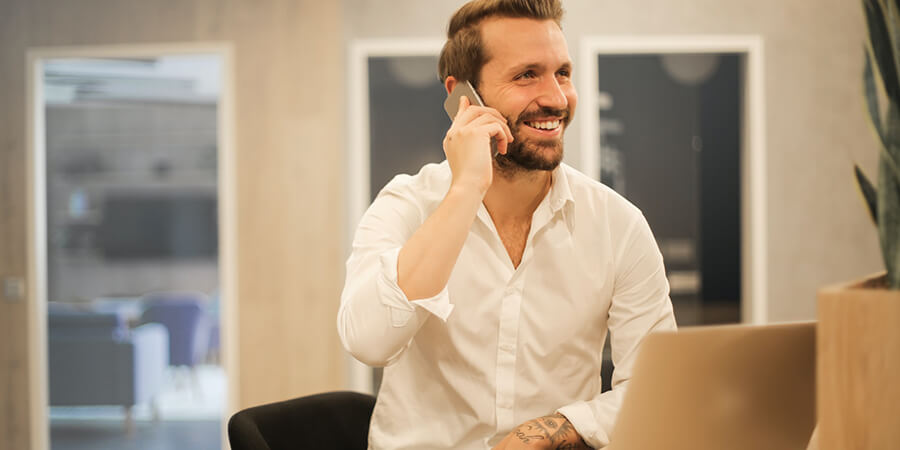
(376, 321)
(640, 306)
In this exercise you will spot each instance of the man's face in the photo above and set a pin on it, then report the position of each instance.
(528, 78)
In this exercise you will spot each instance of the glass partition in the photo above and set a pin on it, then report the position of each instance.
(132, 252)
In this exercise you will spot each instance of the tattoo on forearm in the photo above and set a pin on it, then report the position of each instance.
(563, 431)
(527, 438)
(556, 428)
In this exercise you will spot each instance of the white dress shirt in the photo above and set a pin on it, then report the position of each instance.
(501, 345)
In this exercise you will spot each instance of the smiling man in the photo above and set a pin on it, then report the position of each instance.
(486, 285)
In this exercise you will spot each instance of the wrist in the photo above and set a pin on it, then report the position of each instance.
(465, 190)
(571, 434)
(548, 432)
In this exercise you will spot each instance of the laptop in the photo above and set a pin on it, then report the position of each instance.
(728, 387)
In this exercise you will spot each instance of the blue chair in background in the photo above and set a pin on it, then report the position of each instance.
(214, 346)
(95, 359)
(184, 315)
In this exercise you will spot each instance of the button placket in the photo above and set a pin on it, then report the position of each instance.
(506, 353)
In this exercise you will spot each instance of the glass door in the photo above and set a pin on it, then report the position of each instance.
(132, 251)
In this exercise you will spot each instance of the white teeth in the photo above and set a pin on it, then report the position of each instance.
(548, 125)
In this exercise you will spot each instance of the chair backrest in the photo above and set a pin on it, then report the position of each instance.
(333, 420)
(185, 318)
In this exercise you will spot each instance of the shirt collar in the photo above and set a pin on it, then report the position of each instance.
(560, 193)
(559, 198)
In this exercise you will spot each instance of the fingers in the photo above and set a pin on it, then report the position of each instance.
(497, 135)
(505, 133)
(468, 112)
(463, 106)
(473, 123)
(502, 146)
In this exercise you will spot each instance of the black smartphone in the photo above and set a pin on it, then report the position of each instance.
(451, 105)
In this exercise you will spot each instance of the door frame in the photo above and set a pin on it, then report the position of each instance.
(37, 221)
(754, 255)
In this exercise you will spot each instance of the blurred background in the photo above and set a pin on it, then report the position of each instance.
(180, 182)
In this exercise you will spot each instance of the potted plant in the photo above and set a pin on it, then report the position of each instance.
(858, 354)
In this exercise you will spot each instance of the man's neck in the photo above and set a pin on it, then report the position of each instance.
(514, 197)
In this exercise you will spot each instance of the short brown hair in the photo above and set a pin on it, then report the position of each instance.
(463, 54)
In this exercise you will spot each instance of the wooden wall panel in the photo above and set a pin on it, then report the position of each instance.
(289, 110)
(13, 377)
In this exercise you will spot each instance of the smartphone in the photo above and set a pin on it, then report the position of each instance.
(451, 105)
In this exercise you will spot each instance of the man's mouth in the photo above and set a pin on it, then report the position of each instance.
(544, 124)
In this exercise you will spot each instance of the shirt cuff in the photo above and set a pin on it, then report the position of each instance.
(582, 418)
(403, 309)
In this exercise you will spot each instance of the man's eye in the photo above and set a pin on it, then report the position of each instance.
(563, 73)
(526, 75)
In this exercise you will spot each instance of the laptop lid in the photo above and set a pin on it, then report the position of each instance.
(721, 387)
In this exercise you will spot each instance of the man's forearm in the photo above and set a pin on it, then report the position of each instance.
(428, 257)
(548, 432)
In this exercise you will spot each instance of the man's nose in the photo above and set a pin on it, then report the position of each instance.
(552, 95)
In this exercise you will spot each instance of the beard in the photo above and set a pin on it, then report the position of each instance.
(528, 154)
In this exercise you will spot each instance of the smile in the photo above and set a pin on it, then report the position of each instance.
(544, 125)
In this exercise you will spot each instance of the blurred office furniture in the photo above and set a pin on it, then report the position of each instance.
(96, 359)
(333, 420)
(184, 315)
(214, 344)
(214, 349)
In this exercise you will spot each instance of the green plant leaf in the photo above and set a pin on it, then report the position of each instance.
(893, 25)
(890, 148)
(875, 120)
(871, 94)
(868, 192)
(889, 222)
(881, 45)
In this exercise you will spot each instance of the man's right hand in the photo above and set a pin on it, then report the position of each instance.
(468, 144)
(427, 259)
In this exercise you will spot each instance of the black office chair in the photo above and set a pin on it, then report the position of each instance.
(333, 420)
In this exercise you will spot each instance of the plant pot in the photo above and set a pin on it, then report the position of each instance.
(858, 366)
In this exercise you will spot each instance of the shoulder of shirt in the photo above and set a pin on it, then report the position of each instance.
(600, 196)
(429, 184)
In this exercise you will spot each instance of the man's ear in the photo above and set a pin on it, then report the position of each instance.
(450, 83)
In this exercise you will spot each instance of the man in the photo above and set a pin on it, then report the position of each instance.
(486, 286)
